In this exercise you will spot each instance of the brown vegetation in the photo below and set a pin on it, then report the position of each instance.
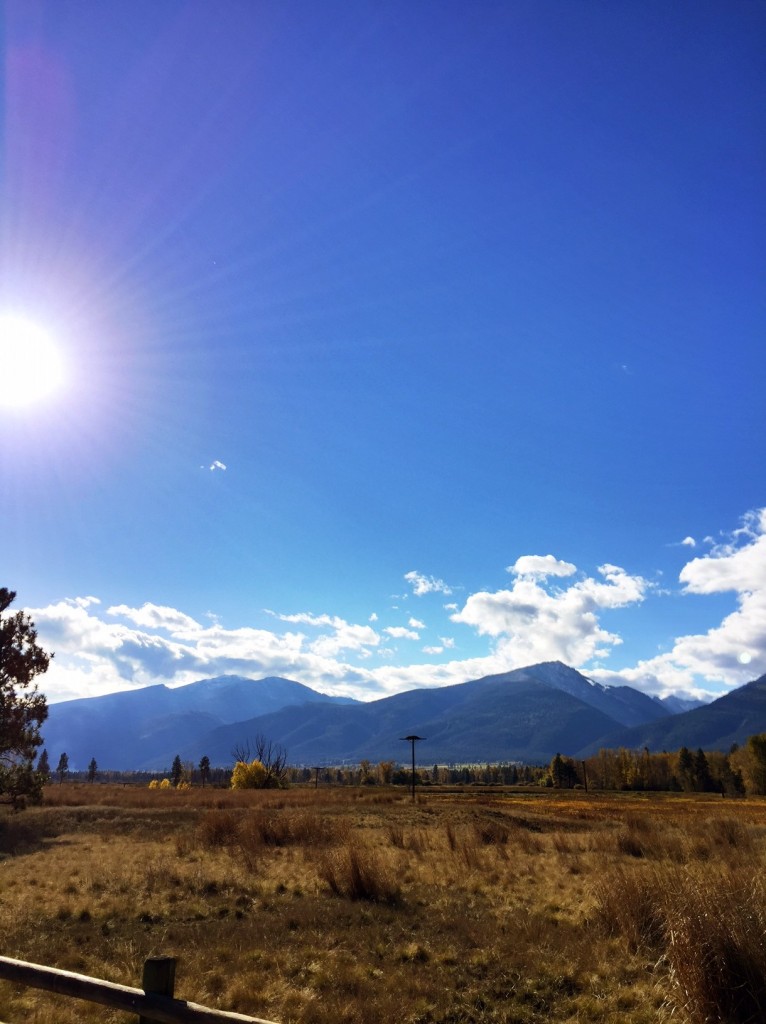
(357, 905)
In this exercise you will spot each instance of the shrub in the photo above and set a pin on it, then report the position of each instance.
(18, 837)
(249, 776)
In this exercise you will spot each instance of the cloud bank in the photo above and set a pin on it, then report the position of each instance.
(734, 651)
(550, 611)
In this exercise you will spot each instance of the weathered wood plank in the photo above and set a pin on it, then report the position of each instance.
(158, 979)
(162, 1009)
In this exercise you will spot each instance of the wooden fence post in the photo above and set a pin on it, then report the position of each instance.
(158, 979)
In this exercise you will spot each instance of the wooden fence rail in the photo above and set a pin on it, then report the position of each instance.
(153, 1006)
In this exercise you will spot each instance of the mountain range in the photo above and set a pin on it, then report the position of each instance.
(145, 728)
(528, 714)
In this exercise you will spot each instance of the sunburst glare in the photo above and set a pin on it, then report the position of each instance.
(31, 362)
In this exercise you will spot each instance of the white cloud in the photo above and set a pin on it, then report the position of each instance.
(373, 617)
(416, 623)
(306, 618)
(432, 650)
(447, 641)
(733, 652)
(216, 464)
(689, 542)
(401, 633)
(426, 584)
(345, 636)
(540, 566)
(535, 624)
(729, 567)
(154, 616)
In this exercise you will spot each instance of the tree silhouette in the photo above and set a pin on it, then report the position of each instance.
(703, 781)
(686, 768)
(204, 769)
(43, 766)
(177, 770)
(92, 770)
(557, 771)
(62, 767)
(23, 708)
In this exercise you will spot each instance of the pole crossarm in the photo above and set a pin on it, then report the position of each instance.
(162, 1009)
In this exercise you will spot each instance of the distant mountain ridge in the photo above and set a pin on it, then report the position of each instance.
(135, 728)
(716, 726)
(528, 714)
(677, 705)
(622, 703)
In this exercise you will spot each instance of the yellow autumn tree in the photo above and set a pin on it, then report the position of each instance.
(252, 775)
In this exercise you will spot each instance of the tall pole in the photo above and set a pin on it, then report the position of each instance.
(413, 740)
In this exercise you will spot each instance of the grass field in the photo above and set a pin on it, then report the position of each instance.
(357, 905)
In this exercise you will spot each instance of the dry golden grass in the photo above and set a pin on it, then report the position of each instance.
(358, 906)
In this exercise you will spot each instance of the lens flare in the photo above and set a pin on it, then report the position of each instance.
(31, 363)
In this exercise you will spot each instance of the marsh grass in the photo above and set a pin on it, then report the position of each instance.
(716, 946)
(356, 872)
(359, 906)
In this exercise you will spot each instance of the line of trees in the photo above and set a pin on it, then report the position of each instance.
(741, 771)
(386, 773)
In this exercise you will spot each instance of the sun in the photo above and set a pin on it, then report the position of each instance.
(31, 363)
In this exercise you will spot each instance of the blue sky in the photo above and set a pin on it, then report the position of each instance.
(367, 309)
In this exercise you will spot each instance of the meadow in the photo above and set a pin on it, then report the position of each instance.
(356, 905)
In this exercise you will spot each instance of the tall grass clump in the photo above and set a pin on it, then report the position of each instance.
(716, 948)
(355, 872)
(630, 904)
(731, 834)
(707, 926)
(491, 833)
(252, 831)
(218, 829)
